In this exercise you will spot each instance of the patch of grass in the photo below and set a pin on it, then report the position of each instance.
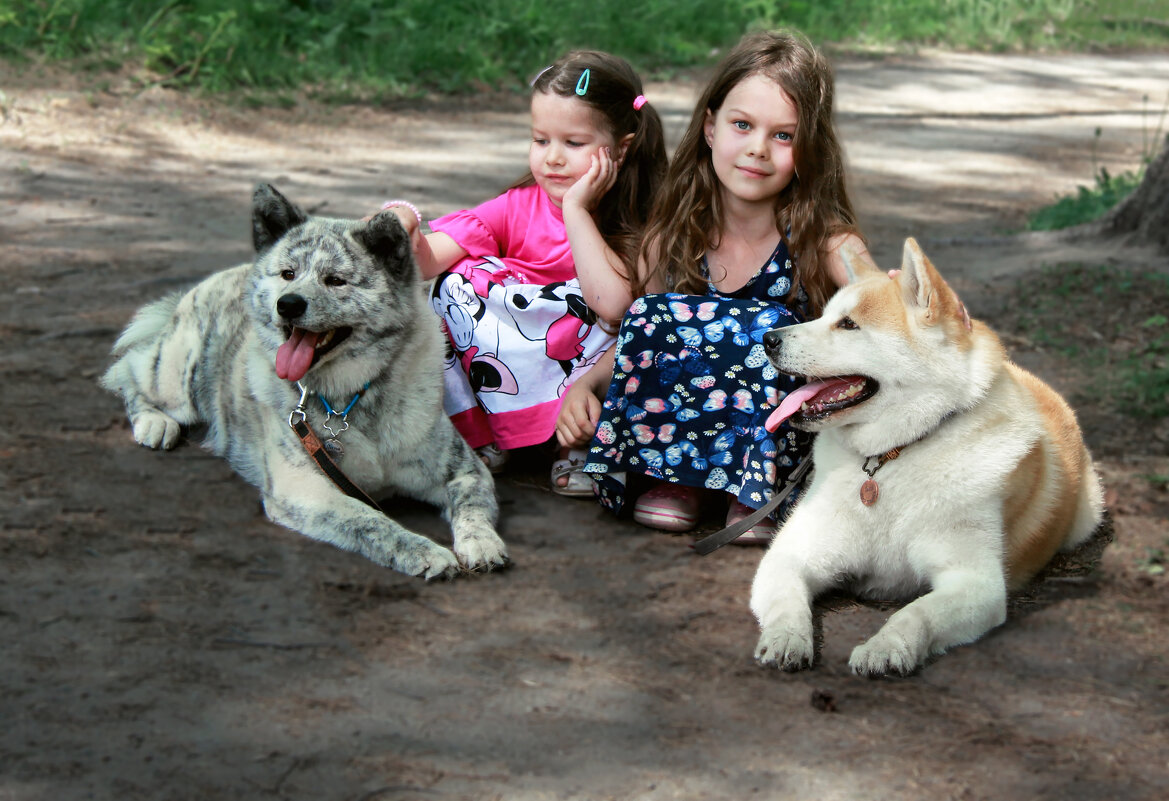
(1157, 479)
(1153, 562)
(1092, 203)
(1144, 373)
(366, 49)
(1109, 326)
(1087, 204)
(362, 48)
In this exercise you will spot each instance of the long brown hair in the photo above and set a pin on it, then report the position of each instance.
(687, 218)
(611, 89)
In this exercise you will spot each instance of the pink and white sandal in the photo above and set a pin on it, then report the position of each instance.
(577, 483)
(761, 533)
(669, 507)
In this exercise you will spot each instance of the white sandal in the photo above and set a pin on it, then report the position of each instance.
(579, 484)
(493, 456)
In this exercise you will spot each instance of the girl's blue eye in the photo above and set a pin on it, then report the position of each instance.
(783, 136)
(575, 144)
(742, 125)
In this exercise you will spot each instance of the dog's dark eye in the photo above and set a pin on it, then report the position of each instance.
(287, 275)
(846, 323)
(332, 280)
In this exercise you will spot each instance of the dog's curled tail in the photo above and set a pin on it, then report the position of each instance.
(145, 328)
(1089, 505)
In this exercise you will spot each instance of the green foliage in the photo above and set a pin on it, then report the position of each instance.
(366, 48)
(361, 46)
(1089, 203)
(1154, 561)
(1145, 372)
(1109, 324)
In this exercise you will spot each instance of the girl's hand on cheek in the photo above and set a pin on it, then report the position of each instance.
(592, 186)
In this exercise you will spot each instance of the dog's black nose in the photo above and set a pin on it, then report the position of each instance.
(291, 306)
(772, 339)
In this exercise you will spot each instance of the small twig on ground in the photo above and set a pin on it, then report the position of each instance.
(280, 646)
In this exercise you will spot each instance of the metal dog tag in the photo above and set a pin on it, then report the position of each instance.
(334, 447)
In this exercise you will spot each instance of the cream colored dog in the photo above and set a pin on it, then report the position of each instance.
(940, 467)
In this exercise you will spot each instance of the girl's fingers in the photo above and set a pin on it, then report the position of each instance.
(594, 410)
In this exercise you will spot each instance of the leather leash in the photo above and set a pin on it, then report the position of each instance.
(720, 538)
(298, 422)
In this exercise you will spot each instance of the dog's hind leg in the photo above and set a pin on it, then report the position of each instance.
(158, 356)
(472, 510)
(965, 603)
(129, 377)
(152, 427)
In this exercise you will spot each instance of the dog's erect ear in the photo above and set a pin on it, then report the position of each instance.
(924, 288)
(387, 241)
(273, 215)
(916, 283)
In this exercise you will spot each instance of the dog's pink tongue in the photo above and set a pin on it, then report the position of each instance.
(295, 356)
(792, 403)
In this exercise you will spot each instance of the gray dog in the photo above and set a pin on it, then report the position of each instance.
(329, 326)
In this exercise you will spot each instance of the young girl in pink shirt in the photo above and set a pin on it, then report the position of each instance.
(525, 282)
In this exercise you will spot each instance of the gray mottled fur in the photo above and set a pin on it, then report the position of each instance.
(208, 356)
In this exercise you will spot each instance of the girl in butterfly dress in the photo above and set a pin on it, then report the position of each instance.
(745, 237)
(525, 281)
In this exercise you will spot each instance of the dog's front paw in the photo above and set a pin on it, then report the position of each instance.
(885, 653)
(482, 552)
(781, 647)
(155, 430)
(426, 559)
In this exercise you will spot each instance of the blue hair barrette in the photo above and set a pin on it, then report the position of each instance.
(582, 85)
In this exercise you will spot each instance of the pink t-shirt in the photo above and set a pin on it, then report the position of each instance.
(522, 228)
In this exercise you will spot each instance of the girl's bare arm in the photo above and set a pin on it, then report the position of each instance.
(601, 272)
(434, 252)
(833, 261)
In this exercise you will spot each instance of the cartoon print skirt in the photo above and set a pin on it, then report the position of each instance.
(515, 350)
(691, 390)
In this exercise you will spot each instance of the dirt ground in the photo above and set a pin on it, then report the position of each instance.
(159, 639)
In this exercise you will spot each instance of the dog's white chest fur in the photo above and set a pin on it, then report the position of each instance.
(911, 531)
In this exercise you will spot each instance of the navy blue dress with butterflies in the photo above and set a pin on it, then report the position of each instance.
(692, 388)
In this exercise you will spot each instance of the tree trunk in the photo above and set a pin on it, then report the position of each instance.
(1145, 213)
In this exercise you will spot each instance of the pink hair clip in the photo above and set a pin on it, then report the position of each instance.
(638, 102)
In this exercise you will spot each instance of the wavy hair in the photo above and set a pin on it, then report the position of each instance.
(613, 85)
(688, 216)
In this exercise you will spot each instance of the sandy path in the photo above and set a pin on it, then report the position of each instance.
(163, 641)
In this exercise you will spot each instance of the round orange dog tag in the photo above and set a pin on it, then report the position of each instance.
(870, 492)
